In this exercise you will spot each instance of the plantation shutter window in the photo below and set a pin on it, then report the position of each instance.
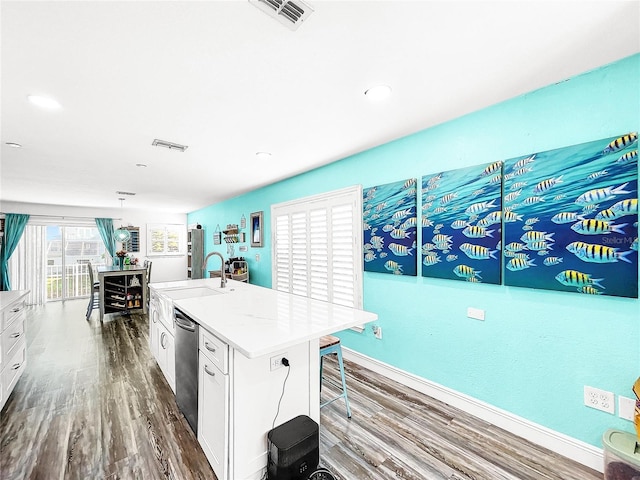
(318, 255)
(282, 256)
(317, 247)
(299, 271)
(166, 239)
(343, 255)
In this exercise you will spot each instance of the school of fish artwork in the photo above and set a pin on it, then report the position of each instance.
(461, 224)
(390, 228)
(574, 220)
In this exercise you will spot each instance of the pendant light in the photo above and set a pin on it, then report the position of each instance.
(122, 235)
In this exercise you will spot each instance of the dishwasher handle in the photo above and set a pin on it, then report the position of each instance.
(185, 322)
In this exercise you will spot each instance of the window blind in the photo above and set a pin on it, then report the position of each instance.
(317, 247)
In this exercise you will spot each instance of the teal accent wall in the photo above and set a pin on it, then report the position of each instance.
(536, 349)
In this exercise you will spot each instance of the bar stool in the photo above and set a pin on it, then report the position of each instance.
(330, 345)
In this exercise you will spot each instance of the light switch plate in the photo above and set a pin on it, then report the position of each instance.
(626, 407)
(475, 313)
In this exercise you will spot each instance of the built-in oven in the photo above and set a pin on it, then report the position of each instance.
(187, 331)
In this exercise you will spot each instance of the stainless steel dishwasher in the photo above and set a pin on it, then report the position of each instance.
(187, 332)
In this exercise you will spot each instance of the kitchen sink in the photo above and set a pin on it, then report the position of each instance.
(189, 292)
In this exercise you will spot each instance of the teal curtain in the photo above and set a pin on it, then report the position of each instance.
(14, 224)
(105, 227)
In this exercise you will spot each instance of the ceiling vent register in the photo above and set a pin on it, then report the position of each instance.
(290, 14)
(169, 145)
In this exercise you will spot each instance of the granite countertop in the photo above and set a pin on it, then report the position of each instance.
(258, 321)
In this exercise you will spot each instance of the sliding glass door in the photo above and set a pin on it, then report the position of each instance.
(69, 251)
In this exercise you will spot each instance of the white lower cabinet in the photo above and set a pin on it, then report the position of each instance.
(213, 414)
(13, 353)
(12, 371)
(167, 356)
(238, 400)
(162, 344)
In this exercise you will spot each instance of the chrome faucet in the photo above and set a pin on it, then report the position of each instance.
(223, 278)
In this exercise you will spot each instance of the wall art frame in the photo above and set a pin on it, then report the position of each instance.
(574, 218)
(256, 222)
(461, 224)
(390, 228)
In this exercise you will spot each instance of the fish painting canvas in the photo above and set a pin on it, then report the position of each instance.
(461, 224)
(571, 218)
(390, 228)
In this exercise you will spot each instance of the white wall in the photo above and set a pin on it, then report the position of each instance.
(164, 269)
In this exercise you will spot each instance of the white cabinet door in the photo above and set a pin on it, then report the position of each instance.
(213, 415)
(154, 332)
(167, 356)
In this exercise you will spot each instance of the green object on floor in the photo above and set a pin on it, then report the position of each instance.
(621, 455)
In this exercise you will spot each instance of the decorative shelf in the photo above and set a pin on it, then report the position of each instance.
(231, 234)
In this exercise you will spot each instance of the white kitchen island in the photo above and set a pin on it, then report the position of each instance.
(244, 330)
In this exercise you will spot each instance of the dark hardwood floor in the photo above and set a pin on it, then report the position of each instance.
(93, 403)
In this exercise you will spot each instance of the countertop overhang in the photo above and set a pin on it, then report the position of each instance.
(10, 296)
(259, 321)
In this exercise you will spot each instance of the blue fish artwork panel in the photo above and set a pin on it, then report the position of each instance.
(390, 228)
(571, 218)
(461, 224)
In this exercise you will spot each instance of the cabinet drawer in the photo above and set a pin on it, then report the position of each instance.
(12, 370)
(215, 349)
(11, 337)
(12, 314)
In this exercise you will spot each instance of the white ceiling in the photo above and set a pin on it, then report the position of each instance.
(228, 81)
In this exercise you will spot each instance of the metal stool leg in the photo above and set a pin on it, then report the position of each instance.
(336, 348)
(344, 382)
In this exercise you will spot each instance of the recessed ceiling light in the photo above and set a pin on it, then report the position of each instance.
(263, 155)
(379, 92)
(13, 145)
(44, 102)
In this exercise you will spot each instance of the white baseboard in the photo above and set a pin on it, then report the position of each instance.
(560, 443)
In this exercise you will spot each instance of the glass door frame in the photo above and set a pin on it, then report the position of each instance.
(75, 284)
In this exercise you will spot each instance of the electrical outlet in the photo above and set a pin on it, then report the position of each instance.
(626, 408)
(599, 399)
(377, 332)
(276, 362)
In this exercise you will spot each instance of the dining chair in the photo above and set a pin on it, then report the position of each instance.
(94, 294)
(147, 266)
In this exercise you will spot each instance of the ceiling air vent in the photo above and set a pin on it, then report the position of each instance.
(287, 12)
(169, 145)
